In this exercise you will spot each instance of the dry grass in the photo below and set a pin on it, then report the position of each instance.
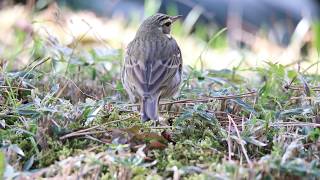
(64, 113)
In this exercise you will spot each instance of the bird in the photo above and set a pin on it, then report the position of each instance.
(152, 67)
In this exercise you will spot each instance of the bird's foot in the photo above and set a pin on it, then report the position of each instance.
(155, 123)
(134, 108)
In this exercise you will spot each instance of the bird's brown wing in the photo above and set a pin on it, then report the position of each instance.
(152, 67)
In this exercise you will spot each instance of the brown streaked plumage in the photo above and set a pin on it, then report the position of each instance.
(152, 65)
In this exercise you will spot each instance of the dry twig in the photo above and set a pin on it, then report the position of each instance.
(204, 100)
(241, 142)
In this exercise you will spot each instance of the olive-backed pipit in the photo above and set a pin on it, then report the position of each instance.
(152, 65)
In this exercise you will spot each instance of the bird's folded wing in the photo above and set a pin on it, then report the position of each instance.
(151, 76)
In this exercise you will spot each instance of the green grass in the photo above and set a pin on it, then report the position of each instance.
(66, 114)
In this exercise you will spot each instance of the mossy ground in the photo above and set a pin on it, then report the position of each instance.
(65, 114)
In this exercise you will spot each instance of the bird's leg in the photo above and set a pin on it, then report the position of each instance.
(134, 100)
(155, 123)
(134, 108)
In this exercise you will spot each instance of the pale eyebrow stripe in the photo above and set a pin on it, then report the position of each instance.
(161, 18)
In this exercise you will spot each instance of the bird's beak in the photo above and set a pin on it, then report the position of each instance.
(174, 18)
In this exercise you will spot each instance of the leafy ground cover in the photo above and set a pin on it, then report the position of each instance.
(64, 114)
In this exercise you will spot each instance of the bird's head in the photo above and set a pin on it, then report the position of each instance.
(158, 23)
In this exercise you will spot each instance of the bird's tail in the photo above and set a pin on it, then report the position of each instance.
(149, 109)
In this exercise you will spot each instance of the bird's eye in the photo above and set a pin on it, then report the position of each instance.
(167, 24)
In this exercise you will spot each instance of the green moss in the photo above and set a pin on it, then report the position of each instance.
(199, 128)
(2, 164)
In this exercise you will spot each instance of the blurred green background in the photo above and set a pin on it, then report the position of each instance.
(215, 34)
